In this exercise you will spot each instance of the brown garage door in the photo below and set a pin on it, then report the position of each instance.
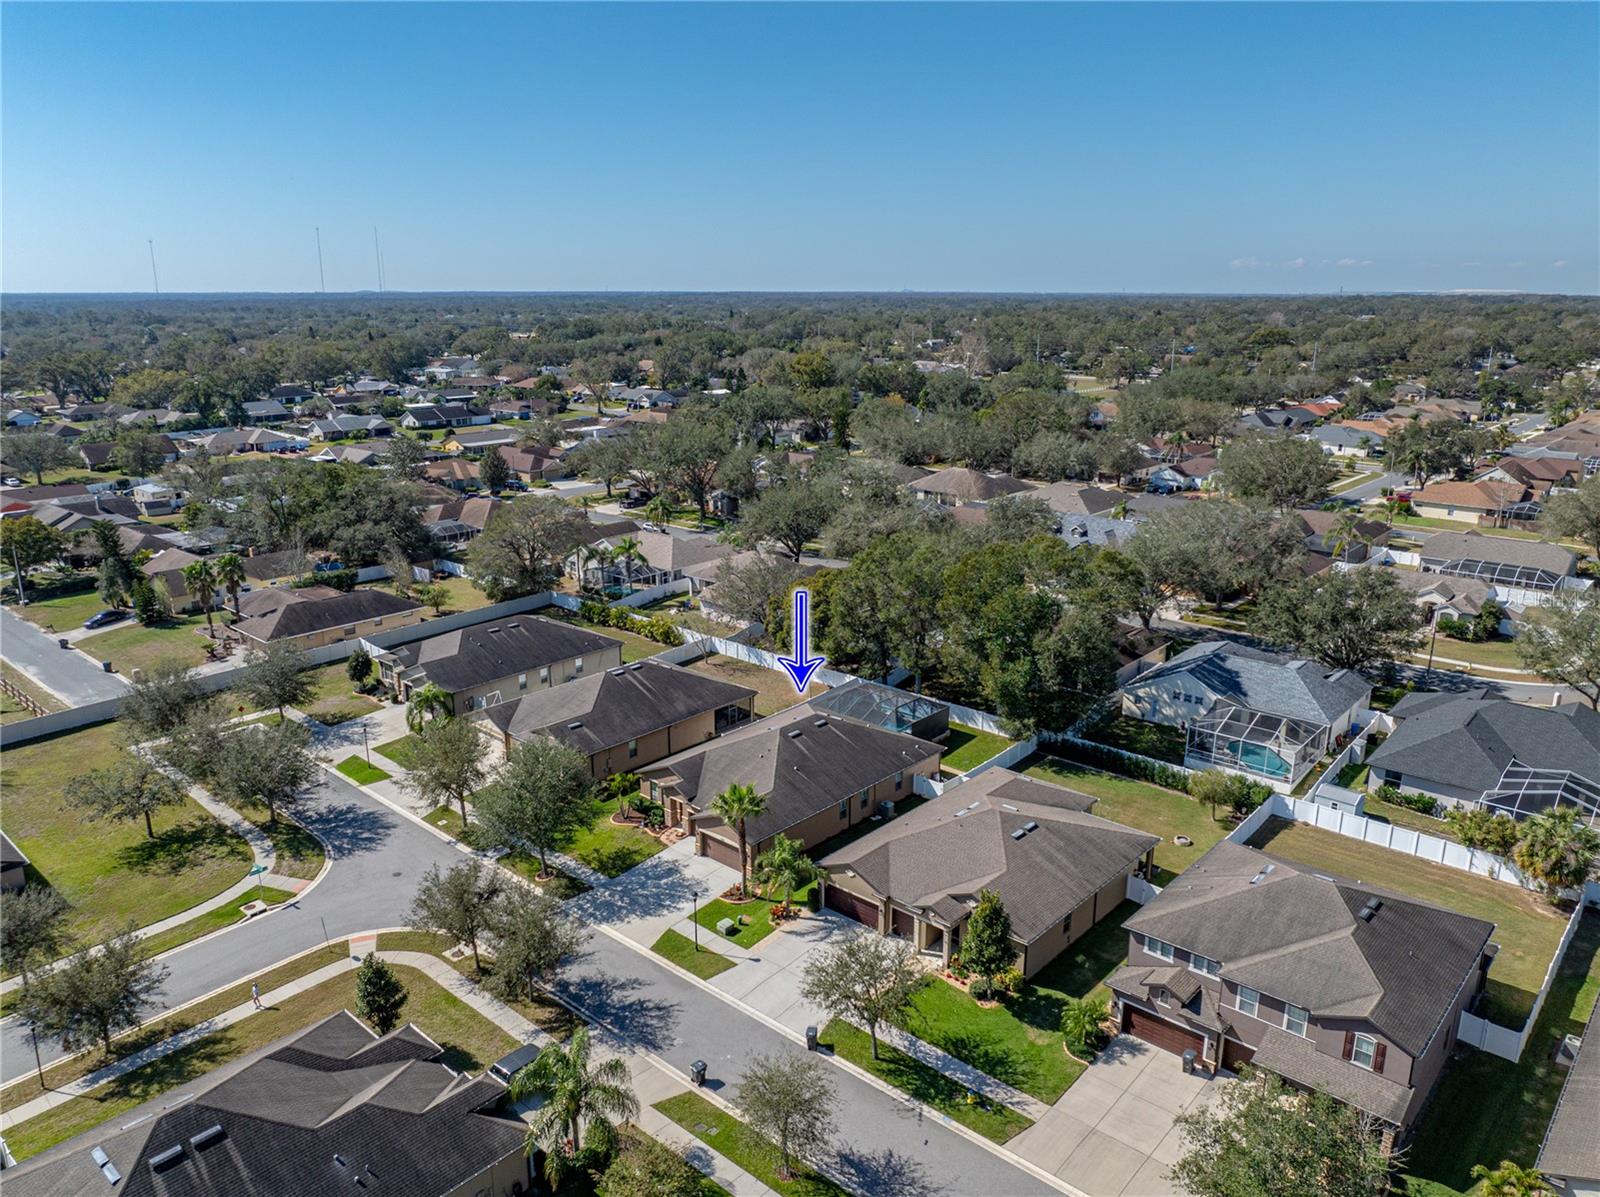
(903, 924)
(846, 903)
(1234, 1055)
(1161, 1032)
(719, 851)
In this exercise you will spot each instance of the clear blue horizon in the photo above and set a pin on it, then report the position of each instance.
(1145, 148)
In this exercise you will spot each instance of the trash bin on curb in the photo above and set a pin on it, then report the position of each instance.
(62, 641)
(697, 1073)
(1188, 1061)
(811, 1039)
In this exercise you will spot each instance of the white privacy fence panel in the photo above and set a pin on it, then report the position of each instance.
(642, 598)
(1141, 891)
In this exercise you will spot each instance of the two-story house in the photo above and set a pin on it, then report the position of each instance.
(1332, 985)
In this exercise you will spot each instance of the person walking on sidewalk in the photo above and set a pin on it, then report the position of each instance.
(255, 995)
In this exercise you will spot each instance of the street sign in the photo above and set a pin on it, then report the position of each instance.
(254, 869)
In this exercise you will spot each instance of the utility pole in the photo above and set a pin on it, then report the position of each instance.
(377, 255)
(152, 244)
(322, 280)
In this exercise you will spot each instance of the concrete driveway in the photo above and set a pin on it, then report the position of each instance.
(1112, 1133)
(654, 896)
(767, 976)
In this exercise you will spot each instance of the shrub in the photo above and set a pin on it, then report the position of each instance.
(1424, 803)
(814, 899)
(1112, 761)
(980, 988)
(1083, 1024)
(653, 627)
(337, 579)
(1010, 982)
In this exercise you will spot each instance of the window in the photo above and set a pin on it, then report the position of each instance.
(1158, 949)
(633, 748)
(378, 623)
(522, 681)
(577, 670)
(544, 676)
(1294, 1021)
(899, 779)
(1204, 964)
(655, 791)
(350, 630)
(844, 809)
(866, 797)
(1248, 1001)
(1364, 1052)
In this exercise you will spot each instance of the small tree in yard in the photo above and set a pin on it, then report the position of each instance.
(789, 1099)
(646, 1167)
(1479, 827)
(276, 676)
(1557, 849)
(458, 903)
(576, 1092)
(450, 764)
(869, 979)
(131, 789)
(1267, 1140)
(784, 868)
(265, 765)
(359, 667)
(734, 806)
(542, 798)
(534, 937)
(428, 701)
(380, 994)
(33, 926)
(1083, 1024)
(1209, 786)
(96, 994)
(435, 595)
(986, 944)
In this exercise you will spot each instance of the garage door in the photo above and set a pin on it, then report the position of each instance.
(903, 924)
(1235, 1055)
(842, 901)
(1161, 1032)
(719, 851)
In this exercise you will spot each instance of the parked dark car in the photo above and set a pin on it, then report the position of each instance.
(635, 499)
(102, 618)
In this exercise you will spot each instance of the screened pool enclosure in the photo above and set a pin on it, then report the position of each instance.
(1275, 747)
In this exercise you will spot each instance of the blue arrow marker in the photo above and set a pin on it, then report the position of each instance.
(799, 665)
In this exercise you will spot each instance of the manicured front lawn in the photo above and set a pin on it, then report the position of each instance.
(730, 1137)
(562, 885)
(1135, 735)
(110, 871)
(966, 747)
(1151, 808)
(333, 698)
(758, 911)
(994, 1040)
(405, 752)
(133, 646)
(1498, 654)
(774, 691)
(60, 613)
(1079, 971)
(215, 920)
(1527, 927)
(358, 771)
(544, 1012)
(928, 1085)
(612, 848)
(1487, 1109)
(680, 950)
(470, 1043)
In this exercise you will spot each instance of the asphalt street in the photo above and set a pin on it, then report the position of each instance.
(68, 674)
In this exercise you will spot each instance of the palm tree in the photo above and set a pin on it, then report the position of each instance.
(229, 570)
(659, 510)
(575, 1092)
(628, 552)
(785, 867)
(201, 582)
(1557, 848)
(1344, 533)
(1512, 1180)
(428, 700)
(733, 806)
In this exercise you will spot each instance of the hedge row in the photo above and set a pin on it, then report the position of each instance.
(1113, 761)
(651, 627)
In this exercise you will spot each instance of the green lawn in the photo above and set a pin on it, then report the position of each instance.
(544, 1012)
(563, 885)
(634, 646)
(296, 852)
(928, 1085)
(1079, 971)
(333, 698)
(758, 911)
(12, 711)
(1135, 735)
(405, 752)
(1500, 654)
(1527, 929)
(133, 646)
(1151, 808)
(61, 613)
(1404, 816)
(1353, 776)
(680, 949)
(966, 747)
(215, 920)
(110, 871)
(470, 1042)
(774, 691)
(464, 596)
(730, 1137)
(611, 848)
(1487, 1109)
(358, 771)
(994, 1040)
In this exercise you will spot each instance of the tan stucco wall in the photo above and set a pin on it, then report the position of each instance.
(508, 686)
(365, 627)
(1067, 932)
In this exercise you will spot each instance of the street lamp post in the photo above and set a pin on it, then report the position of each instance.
(364, 747)
(695, 918)
(33, 1034)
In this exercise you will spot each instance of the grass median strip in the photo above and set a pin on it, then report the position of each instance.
(730, 1137)
(360, 772)
(212, 920)
(928, 1085)
(680, 950)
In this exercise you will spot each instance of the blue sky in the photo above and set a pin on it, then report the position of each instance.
(1196, 147)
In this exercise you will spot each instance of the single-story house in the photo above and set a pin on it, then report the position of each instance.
(455, 472)
(13, 865)
(1540, 474)
(1445, 596)
(273, 569)
(1342, 440)
(1485, 502)
(1498, 560)
(362, 455)
(491, 663)
(98, 456)
(442, 415)
(1322, 535)
(1332, 985)
(248, 440)
(331, 1108)
(1195, 473)
(1079, 498)
(291, 393)
(479, 440)
(21, 417)
(820, 775)
(535, 465)
(459, 521)
(152, 498)
(1268, 716)
(663, 557)
(959, 486)
(1058, 869)
(1476, 750)
(316, 615)
(627, 716)
(265, 411)
(167, 568)
(336, 428)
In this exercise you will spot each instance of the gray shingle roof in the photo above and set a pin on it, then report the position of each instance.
(1296, 936)
(948, 850)
(313, 609)
(1297, 1059)
(1572, 1144)
(824, 760)
(304, 1115)
(615, 705)
(1468, 740)
(970, 485)
(1271, 682)
(472, 656)
(1502, 550)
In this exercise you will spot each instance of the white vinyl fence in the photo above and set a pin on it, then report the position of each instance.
(643, 598)
(1502, 1041)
